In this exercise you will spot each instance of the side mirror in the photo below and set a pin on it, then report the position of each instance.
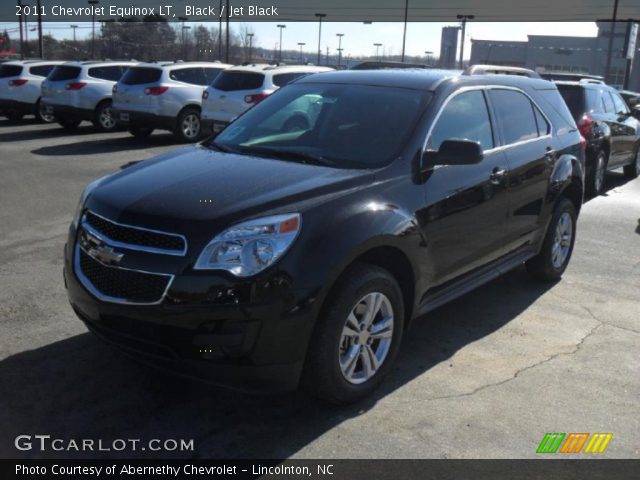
(453, 152)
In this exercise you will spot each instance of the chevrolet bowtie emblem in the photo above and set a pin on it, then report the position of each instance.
(105, 254)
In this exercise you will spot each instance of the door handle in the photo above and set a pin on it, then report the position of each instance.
(497, 175)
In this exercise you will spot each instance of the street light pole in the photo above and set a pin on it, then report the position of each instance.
(281, 27)
(339, 35)
(464, 19)
(404, 33)
(220, 31)
(612, 24)
(301, 44)
(377, 45)
(73, 27)
(20, 20)
(429, 55)
(93, 3)
(320, 17)
(250, 35)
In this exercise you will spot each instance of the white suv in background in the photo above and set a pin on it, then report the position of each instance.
(20, 88)
(239, 88)
(77, 91)
(164, 95)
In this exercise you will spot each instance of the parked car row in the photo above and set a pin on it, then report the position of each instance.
(140, 97)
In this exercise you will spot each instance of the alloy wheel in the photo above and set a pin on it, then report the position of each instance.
(366, 338)
(562, 241)
(106, 118)
(191, 126)
(44, 116)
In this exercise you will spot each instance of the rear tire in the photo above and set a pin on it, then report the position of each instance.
(188, 127)
(352, 351)
(140, 132)
(69, 123)
(598, 175)
(632, 170)
(554, 256)
(103, 118)
(41, 115)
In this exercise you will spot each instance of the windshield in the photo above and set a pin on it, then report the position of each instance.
(346, 126)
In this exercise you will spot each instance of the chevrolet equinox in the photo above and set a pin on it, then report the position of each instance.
(266, 258)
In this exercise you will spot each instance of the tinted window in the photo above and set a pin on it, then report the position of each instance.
(141, 75)
(10, 71)
(211, 74)
(594, 103)
(41, 70)
(607, 101)
(62, 72)
(557, 111)
(112, 73)
(574, 98)
(346, 126)
(194, 76)
(464, 117)
(515, 113)
(618, 103)
(543, 126)
(282, 79)
(230, 81)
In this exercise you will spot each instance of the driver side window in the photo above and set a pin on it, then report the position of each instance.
(465, 117)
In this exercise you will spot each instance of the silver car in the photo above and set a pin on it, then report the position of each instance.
(20, 83)
(239, 88)
(164, 95)
(77, 91)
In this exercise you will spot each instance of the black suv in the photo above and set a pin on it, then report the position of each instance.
(607, 124)
(267, 257)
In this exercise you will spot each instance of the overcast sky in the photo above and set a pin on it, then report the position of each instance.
(359, 38)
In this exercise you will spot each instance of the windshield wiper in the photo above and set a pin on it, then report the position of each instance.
(303, 157)
(221, 148)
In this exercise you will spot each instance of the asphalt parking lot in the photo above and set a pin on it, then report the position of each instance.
(486, 376)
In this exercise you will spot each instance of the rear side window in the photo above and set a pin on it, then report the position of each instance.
(10, 71)
(141, 75)
(112, 73)
(620, 106)
(284, 78)
(194, 76)
(231, 81)
(465, 117)
(557, 111)
(543, 126)
(41, 70)
(607, 102)
(211, 74)
(594, 103)
(62, 72)
(574, 98)
(515, 114)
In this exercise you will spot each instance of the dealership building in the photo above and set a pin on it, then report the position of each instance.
(555, 53)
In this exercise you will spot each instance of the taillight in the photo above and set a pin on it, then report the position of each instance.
(155, 90)
(205, 95)
(17, 83)
(114, 89)
(75, 85)
(255, 98)
(585, 125)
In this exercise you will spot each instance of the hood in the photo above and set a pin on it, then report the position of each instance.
(192, 187)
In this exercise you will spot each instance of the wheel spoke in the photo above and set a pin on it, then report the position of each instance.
(382, 329)
(350, 360)
(373, 302)
(370, 362)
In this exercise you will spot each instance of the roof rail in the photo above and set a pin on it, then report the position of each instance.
(500, 70)
(591, 80)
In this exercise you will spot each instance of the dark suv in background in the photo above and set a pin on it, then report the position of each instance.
(608, 125)
(268, 257)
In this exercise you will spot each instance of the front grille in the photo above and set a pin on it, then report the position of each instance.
(130, 286)
(135, 236)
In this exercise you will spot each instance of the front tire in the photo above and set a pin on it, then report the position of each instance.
(632, 170)
(188, 126)
(357, 337)
(554, 256)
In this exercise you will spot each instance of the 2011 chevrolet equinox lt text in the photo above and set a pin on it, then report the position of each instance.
(266, 257)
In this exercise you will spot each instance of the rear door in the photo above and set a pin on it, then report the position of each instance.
(466, 206)
(525, 136)
(627, 126)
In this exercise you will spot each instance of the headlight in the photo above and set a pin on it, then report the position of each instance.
(83, 199)
(250, 247)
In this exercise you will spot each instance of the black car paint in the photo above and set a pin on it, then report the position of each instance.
(440, 230)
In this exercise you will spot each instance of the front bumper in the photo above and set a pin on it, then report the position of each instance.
(250, 344)
(135, 119)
